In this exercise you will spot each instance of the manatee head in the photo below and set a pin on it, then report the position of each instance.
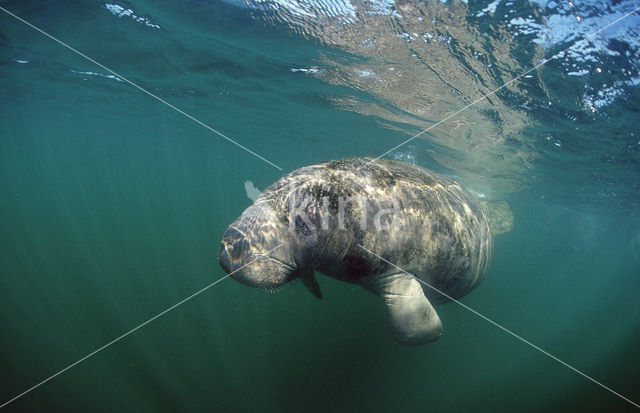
(256, 249)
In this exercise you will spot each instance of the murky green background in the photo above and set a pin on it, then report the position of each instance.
(112, 206)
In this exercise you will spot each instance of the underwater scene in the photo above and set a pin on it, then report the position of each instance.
(134, 132)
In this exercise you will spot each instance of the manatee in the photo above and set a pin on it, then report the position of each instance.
(409, 235)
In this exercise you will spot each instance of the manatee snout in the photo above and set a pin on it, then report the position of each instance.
(254, 262)
(234, 250)
(235, 245)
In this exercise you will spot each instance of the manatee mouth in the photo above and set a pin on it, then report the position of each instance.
(239, 259)
(263, 272)
(284, 264)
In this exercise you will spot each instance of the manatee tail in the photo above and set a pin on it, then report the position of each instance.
(499, 215)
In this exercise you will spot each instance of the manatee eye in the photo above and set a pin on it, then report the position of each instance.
(239, 247)
(301, 227)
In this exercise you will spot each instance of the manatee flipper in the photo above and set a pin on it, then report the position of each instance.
(412, 318)
(309, 281)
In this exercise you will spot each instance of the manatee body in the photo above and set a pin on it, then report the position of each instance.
(409, 235)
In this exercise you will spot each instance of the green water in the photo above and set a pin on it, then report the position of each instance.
(113, 206)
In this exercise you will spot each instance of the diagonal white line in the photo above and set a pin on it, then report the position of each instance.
(503, 328)
(141, 89)
(276, 166)
(134, 329)
(508, 83)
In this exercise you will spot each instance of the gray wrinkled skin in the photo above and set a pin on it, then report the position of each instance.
(316, 218)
